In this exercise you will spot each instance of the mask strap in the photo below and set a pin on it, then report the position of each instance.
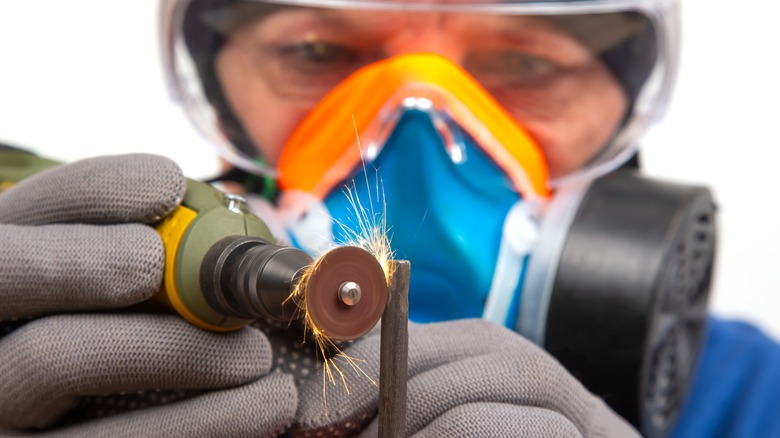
(519, 236)
(542, 267)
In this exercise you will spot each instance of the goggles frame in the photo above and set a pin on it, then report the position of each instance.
(183, 81)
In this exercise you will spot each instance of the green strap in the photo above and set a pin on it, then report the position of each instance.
(268, 183)
(18, 165)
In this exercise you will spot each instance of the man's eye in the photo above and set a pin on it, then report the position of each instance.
(523, 65)
(317, 57)
(509, 67)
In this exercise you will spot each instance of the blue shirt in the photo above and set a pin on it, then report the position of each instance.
(736, 390)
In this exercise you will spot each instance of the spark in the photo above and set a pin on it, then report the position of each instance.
(326, 348)
(372, 235)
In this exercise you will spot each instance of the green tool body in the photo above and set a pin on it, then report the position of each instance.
(224, 270)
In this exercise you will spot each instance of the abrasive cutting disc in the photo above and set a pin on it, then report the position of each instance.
(329, 314)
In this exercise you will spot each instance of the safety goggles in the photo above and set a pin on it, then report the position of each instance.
(535, 58)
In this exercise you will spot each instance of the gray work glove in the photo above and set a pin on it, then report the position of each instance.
(77, 239)
(467, 378)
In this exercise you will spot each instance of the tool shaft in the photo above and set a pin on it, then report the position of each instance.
(393, 354)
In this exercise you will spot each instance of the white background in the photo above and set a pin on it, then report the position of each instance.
(81, 78)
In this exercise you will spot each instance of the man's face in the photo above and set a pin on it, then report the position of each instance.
(277, 68)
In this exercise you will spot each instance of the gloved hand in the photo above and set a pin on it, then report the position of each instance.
(76, 239)
(466, 378)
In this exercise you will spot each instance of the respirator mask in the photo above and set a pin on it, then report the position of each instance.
(493, 143)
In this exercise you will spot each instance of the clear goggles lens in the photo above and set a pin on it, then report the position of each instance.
(545, 69)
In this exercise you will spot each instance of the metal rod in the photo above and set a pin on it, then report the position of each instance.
(393, 354)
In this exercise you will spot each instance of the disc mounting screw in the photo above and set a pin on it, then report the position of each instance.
(349, 293)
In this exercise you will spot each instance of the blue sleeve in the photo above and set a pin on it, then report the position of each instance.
(736, 391)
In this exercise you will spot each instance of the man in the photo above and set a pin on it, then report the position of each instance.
(469, 113)
(450, 123)
(582, 81)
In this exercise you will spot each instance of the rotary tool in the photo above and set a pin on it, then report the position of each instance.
(224, 270)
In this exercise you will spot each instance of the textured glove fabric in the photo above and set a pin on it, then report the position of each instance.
(77, 267)
(260, 409)
(458, 371)
(102, 190)
(104, 354)
(500, 420)
(78, 238)
(52, 267)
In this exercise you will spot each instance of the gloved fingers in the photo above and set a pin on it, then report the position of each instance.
(456, 363)
(430, 346)
(499, 377)
(512, 378)
(77, 267)
(343, 395)
(264, 408)
(48, 363)
(110, 189)
(495, 420)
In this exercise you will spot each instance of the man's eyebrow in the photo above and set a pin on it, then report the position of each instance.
(229, 18)
(600, 32)
(532, 32)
